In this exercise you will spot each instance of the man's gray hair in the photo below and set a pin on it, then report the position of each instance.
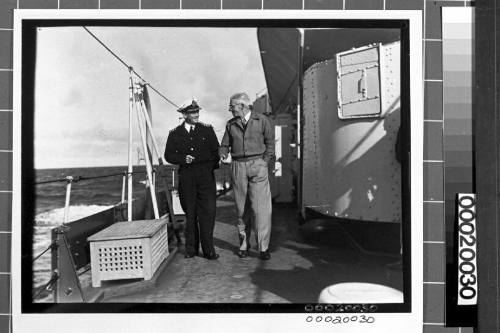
(241, 98)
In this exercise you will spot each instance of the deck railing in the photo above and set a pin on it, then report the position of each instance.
(69, 252)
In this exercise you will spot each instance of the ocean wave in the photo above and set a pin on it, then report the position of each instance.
(56, 216)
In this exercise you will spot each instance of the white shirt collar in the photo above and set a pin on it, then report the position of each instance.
(187, 126)
(247, 116)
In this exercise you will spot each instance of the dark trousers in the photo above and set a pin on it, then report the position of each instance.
(197, 194)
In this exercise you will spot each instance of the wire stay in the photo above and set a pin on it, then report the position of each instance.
(130, 68)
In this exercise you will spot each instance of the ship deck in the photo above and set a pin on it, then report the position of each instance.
(305, 259)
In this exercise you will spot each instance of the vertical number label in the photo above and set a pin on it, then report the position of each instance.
(467, 263)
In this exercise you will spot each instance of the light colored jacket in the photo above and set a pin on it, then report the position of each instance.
(256, 140)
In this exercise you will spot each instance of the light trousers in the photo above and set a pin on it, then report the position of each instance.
(251, 191)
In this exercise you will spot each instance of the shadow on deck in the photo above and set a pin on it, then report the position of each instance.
(305, 259)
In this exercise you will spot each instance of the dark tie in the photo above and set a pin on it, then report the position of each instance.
(191, 129)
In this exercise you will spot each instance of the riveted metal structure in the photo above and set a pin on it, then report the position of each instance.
(351, 121)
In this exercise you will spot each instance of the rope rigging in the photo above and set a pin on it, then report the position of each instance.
(130, 68)
(79, 178)
(51, 246)
(53, 279)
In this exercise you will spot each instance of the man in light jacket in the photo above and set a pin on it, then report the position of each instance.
(249, 137)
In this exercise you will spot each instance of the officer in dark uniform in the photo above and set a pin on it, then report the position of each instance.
(194, 147)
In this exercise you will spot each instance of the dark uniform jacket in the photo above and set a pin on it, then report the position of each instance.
(202, 144)
(254, 140)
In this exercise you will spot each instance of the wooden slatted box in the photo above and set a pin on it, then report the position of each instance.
(127, 250)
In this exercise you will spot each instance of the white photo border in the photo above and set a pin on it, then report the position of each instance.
(162, 322)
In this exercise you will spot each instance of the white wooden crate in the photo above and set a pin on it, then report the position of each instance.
(127, 250)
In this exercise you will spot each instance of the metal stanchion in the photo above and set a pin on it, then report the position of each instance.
(68, 195)
(130, 169)
(124, 185)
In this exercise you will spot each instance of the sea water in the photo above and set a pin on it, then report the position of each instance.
(99, 189)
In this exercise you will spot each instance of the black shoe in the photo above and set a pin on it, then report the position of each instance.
(211, 256)
(264, 255)
(242, 253)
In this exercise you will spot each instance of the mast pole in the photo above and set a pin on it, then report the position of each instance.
(130, 169)
(149, 172)
(149, 126)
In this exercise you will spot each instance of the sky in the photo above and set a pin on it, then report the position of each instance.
(81, 90)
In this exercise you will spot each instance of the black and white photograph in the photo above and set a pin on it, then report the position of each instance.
(249, 166)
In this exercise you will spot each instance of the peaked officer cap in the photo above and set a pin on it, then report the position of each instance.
(189, 106)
